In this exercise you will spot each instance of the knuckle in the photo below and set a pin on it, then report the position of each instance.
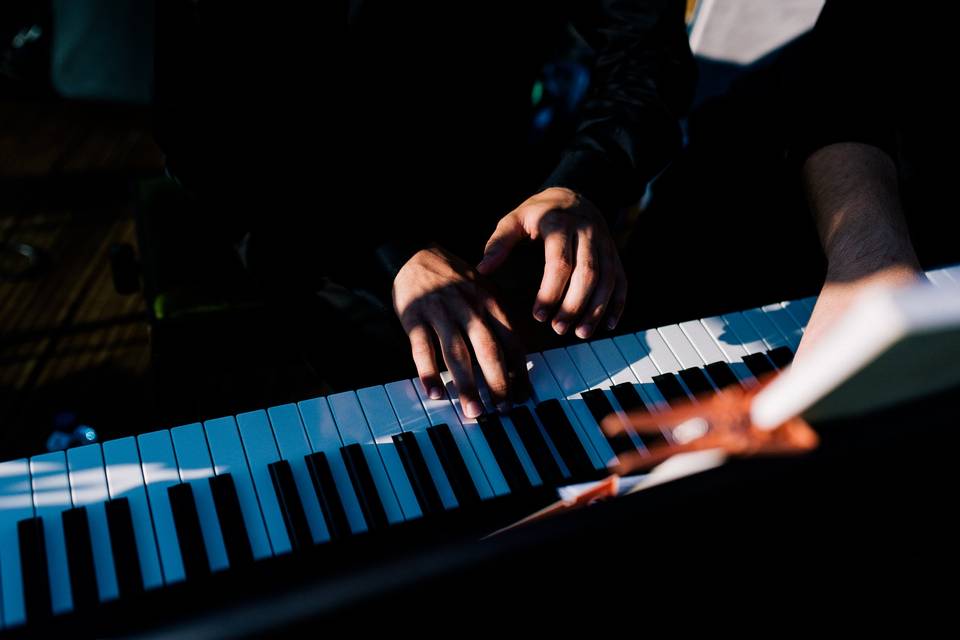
(457, 351)
(562, 263)
(421, 350)
(487, 350)
(498, 387)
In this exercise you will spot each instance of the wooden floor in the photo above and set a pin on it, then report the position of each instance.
(68, 341)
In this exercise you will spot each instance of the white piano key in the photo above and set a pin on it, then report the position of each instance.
(384, 425)
(701, 340)
(595, 375)
(808, 303)
(125, 480)
(406, 403)
(522, 454)
(642, 366)
(731, 348)
(196, 469)
(953, 273)
(16, 504)
(680, 346)
(798, 311)
(591, 371)
(442, 412)
(531, 407)
(294, 447)
(321, 430)
(660, 354)
(479, 443)
(159, 474)
(88, 488)
(785, 323)
(572, 383)
(545, 388)
(941, 278)
(511, 432)
(685, 356)
(51, 495)
(768, 332)
(354, 429)
(261, 450)
(226, 452)
(617, 368)
(744, 330)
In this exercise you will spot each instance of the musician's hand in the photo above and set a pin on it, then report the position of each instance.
(841, 289)
(436, 294)
(583, 281)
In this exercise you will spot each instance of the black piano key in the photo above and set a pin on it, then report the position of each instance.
(759, 364)
(333, 512)
(506, 456)
(697, 381)
(33, 565)
(236, 540)
(626, 394)
(291, 505)
(83, 575)
(722, 375)
(600, 407)
(453, 465)
(189, 535)
(670, 388)
(123, 544)
(781, 356)
(565, 438)
(536, 445)
(366, 489)
(416, 467)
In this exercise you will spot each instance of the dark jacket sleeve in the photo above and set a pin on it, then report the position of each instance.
(642, 83)
(842, 87)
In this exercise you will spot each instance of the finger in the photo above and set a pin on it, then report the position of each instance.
(425, 359)
(456, 355)
(508, 233)
(618, 300)
(490, 358)
(516, 358)
(583, 281)
(558, 250)
(600, 298)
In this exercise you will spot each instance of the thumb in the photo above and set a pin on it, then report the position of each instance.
(508, 233)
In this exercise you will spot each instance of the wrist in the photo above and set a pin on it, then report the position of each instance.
(887, 269)
(861, 254)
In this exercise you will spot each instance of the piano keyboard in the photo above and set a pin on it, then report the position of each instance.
(107, 521)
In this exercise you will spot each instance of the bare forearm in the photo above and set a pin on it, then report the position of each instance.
(852, 191)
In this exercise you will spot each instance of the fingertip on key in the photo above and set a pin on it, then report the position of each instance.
(472, 409)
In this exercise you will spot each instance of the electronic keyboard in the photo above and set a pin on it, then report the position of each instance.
(109, 523)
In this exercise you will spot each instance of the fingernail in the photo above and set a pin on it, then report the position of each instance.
(540, 314)
(435, 393)
(560, 327)
(473, 409)
(583, 331)
(611, 323)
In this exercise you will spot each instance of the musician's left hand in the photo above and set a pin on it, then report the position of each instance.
(583, 280)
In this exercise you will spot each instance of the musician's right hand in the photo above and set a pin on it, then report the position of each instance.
(439, 298)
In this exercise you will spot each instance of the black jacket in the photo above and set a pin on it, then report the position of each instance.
(421, 119)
